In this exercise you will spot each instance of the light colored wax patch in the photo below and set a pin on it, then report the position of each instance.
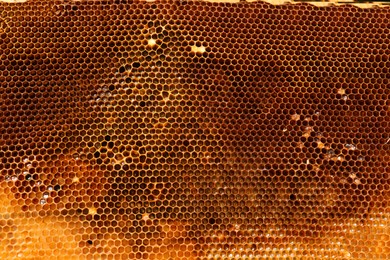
(197, 49)
(151, 42)
(315, 3)
(341, 91)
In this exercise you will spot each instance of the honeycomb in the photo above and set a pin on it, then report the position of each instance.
(194, 130)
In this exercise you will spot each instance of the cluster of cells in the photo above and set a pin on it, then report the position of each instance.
(194, 130)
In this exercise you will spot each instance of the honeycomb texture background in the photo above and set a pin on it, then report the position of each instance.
(194, 130)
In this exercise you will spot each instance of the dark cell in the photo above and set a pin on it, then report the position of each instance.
(122, 69)
(96, 154)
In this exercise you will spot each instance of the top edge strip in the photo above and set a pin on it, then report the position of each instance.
(323, 3)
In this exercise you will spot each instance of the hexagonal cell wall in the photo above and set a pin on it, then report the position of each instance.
(194, 130)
